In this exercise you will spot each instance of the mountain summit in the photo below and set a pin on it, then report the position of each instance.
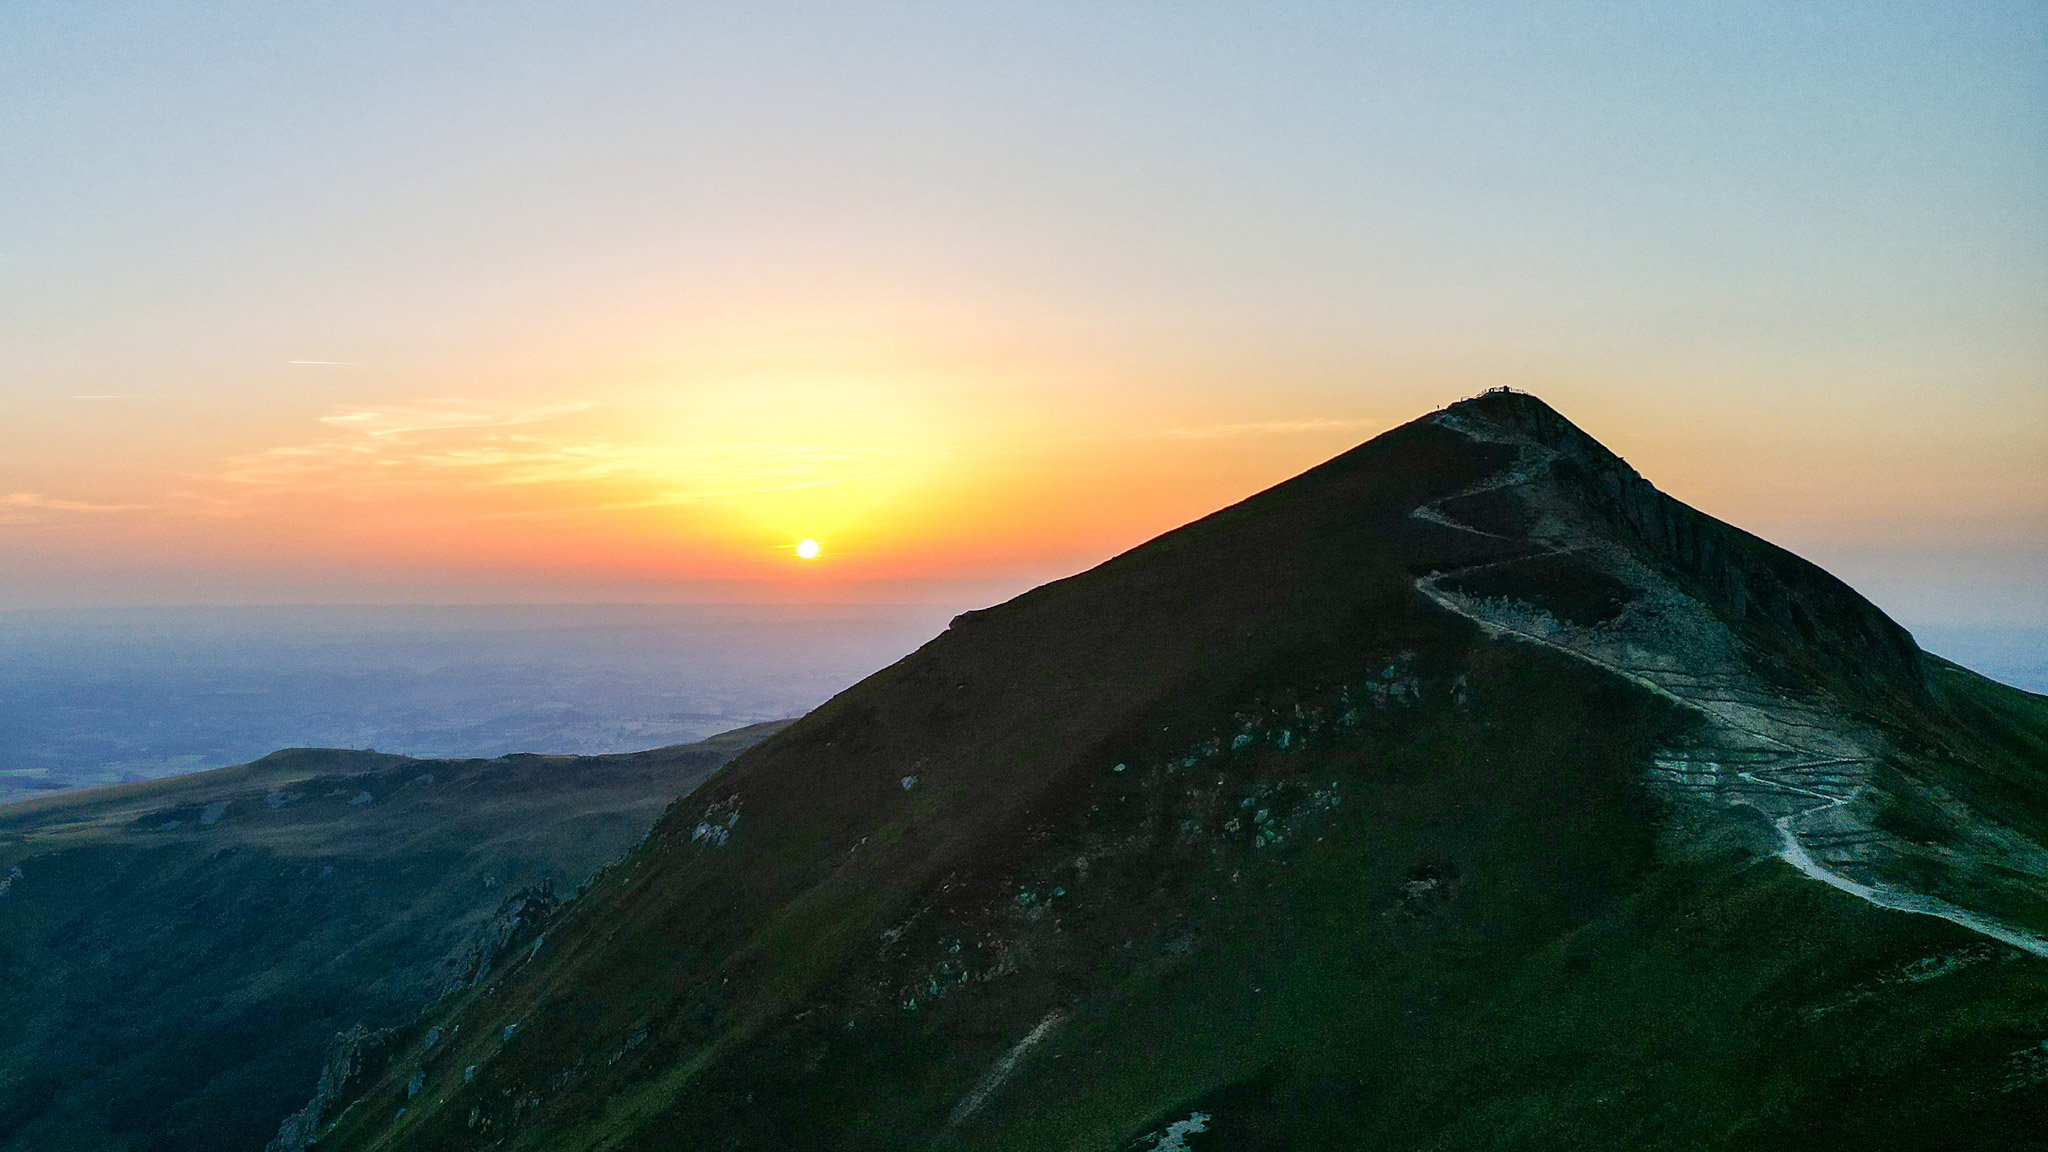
(1462, 792)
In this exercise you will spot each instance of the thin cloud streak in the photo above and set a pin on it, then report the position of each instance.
(36, 508)
(680, 499)
(437, 445)
(403, 421)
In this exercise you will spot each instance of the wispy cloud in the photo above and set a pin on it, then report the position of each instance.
(372, 452)
(676, 497)
(444, 415)
(36, 508)
(379, 447)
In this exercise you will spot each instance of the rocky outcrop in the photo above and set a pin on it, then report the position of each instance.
(522, 916)
(517, 924)
(346, 1060)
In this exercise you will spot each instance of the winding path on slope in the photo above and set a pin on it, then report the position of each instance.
(1795, 772)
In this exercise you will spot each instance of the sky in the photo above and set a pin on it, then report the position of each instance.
(457, 302)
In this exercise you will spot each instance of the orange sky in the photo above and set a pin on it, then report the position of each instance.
(696, 483)
(428, 306)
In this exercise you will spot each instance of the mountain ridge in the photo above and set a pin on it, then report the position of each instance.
(176, 954)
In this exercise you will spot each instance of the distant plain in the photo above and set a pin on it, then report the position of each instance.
(2014, 654)
(103, 696)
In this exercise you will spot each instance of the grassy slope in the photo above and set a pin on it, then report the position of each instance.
(177, 988)
(1482, 942)
(1993, 750)
(1969, 770)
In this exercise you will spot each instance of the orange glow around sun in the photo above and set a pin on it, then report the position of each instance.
(723, 469)
(910, 476)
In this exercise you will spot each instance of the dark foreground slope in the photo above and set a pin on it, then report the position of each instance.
(1463, 792)
(177, 956)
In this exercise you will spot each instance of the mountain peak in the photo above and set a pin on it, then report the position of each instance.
(1788, 609)
(1355, 814)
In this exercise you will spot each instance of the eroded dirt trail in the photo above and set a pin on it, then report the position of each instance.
(1791, 760)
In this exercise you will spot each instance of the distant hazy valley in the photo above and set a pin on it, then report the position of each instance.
(91, 697)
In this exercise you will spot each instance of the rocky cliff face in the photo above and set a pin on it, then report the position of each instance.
(1783, 602)
(340, 1074)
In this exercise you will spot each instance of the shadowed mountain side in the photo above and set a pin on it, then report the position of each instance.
(1462, 792)
(177, 955)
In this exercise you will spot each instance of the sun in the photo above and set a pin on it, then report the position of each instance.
(807, 548)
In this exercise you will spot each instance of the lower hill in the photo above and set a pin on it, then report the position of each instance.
(1465, 792)
(178, 957)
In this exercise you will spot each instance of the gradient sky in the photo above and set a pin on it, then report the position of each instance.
(463, 301)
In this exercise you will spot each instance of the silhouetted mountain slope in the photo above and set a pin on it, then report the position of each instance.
(1462, 792)
(176, 956)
